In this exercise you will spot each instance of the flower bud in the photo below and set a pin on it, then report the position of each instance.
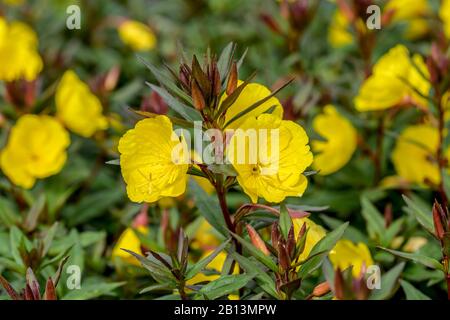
(197, 96)
(256, 240)
(232, 79)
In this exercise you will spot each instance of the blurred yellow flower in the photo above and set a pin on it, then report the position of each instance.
(130, 241)
(13, 2)
(341, 141)
(36, 149)
(413, 13)
(18, 52)
(264, 171)
(338, 32)
(152, 162)
(205, 237)
(414, 152)
(251, 94)
(137, 35)
(77, 107)
(444, 14)
(346, 254)
(314, 235)
(393, 81)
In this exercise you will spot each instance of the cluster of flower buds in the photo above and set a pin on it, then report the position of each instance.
(32, 289)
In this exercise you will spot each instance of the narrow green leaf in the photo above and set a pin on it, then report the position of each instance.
(411, 292)
(426, 261)
(93, 290)
(224, 61)
(199, 266)
(285, 221)
(224, 286)
(422, 216)
(324, 246)
(388, 283)
(374, 219)
(267, 261)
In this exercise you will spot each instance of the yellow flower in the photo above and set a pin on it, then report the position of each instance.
(251, 94)
(137, 35)
(338, 33)
(346, 254)
(314, 235)
(414, 13)
(341, 140)
(444, 14)
(414, 152)
(77, 107)
(393, 79)
(13, 2)
(271, 165)
(36, 149)
(130, 241)
(205, 237)
(152, 162)
(18, 52)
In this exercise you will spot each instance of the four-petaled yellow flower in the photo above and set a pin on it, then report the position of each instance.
(36, 149)
(340, 141)
(414, 155)
(130, 241)
(154, 162)
(444, 14)
(413, 13)
(18, 52)
(314, 235)
(252, 93)
(395, 79)
(270, 155)
(77, 107)
(346, 254)
(137, 35)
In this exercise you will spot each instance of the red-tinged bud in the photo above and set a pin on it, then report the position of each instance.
(256, 240)
(270, 22)
(154, 103)
(291, 243)
(275, 235)
(197, 96)
(142, 218)
(438, 220)
(232, 79)
(321, 289)
(346, 9)
(217, 85)
(339, 285)
(388, 215)
(283, 258)
(387, 16)
(111, 79)
(184, 77)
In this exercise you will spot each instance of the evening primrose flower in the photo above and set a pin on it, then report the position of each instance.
(314, 235)
(395, 79)
(251, 94)
(444, 14)
(36, 149)
(338, 32)
(346, 254)
(77, 107)
(270, 155)
(413, 13)
(152, 162)
(19, 52)
(137, 35)
(418, 142)
(340, 144)
(130, 241)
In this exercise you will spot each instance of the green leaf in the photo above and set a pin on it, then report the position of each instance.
(8, 213)
(223, 286)
(208, 207)
(92, 290)
(415, 257)
(262, 277)
(225, 169)
(374, 219)
(423, 216)
(267, 261)
(199, 266)
(225, 59)
(321, 250)
(411, 292)
(48, 239)
(16, 239)
(183, 110)
(388, 283)
(285, 221)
